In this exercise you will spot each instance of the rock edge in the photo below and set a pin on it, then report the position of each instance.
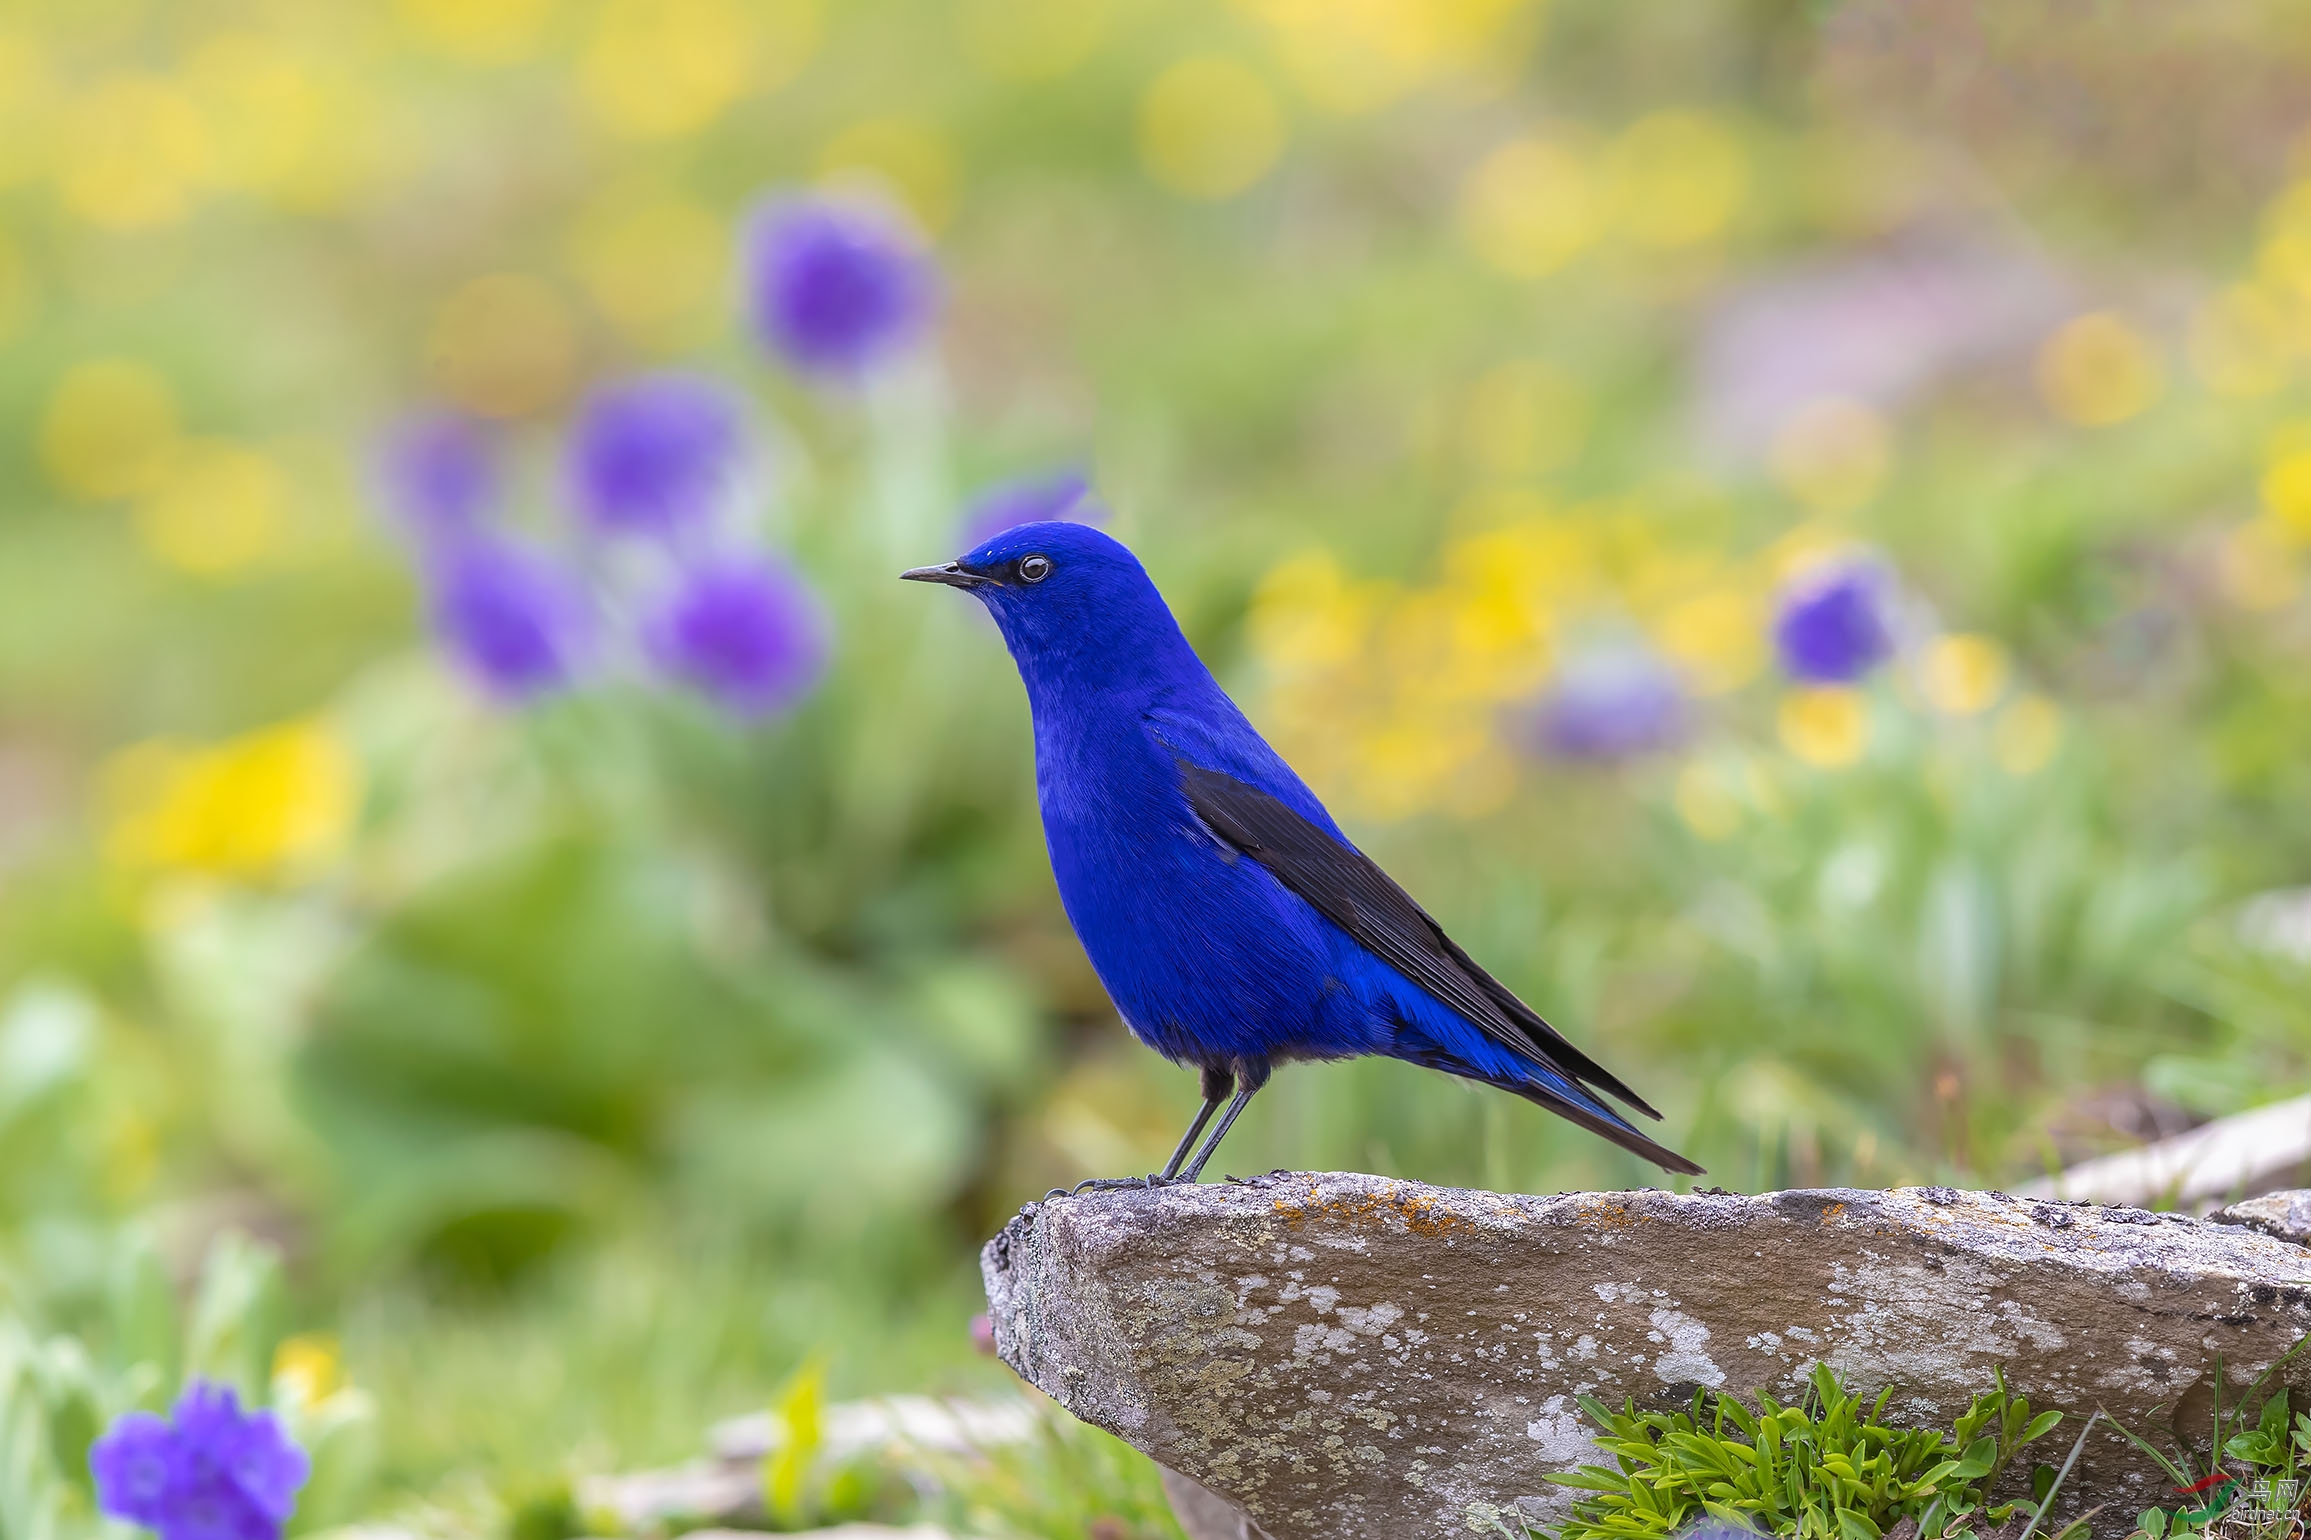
(1344, 1355)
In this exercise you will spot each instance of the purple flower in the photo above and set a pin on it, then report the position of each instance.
(217, 1474)
(136, 1468)
(437, 472)
(748, 633)
(656, 454)
(1833, 626)
(835, 287)
(1612, 705)
(513, 616)
(1028, 500)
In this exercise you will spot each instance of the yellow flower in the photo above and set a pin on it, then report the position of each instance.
(654, 263)
(1675, 178)
(1031, 39)
(109, 431)
(1522, 418)
(134, 152)
(1209, 127)
(307, 1369)
(1306, 615)
(474, 31)
(2099, 370)
(1827, 727)
(1832, 454)
(909, 158)
(656, 69)
(504, 346)
(1529, 207)
(2287, 493)
(2026, 735)
(1717, 638)
(217, 510)
(1402, 765)
(1964, 674)
(267, 804)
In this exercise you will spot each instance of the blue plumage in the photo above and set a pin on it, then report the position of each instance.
(1233, 923)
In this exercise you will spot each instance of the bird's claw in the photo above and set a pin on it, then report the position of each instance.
(1146, 1183)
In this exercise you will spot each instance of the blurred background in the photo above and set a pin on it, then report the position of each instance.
(1783, 522)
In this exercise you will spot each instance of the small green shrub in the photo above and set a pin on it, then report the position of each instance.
(2251, 1475)
(1826, 1468)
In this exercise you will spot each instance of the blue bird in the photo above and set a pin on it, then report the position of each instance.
(1231, 920)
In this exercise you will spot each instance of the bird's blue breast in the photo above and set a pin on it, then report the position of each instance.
(1208, 957)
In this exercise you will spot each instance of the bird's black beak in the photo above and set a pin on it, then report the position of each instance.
(951, 573)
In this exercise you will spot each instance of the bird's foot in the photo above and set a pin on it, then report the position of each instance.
(1146, 1183)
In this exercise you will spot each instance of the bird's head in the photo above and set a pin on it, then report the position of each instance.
(1072, 602)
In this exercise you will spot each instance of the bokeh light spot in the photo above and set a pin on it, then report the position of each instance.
(658, 69)
(109, 431)
(2099, 370)
(475, 31)
(1827, 727)
(1706, 804)
(1307, 615)
(1209, 127)
(1718, 639)
(1529, 207)
(1352, 56)
(2026, 735)
(2259, 566)
(905, 159)
(217, 511)
(134, 152)
(1675, 178)
(654, 263)
(1963, 674)
(1832, 455)
(504, 346)
(282, 126)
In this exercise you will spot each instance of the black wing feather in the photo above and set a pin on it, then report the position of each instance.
(1344, 886)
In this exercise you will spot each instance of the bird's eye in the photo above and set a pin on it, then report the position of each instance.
(1034, 569)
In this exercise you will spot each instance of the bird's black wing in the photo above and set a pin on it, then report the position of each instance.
(1341, 883)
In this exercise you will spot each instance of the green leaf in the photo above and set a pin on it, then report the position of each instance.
(1977, 1460)
(2041, 1425)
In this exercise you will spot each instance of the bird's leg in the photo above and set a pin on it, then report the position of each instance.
(1255, 1073)
(1218, 1084)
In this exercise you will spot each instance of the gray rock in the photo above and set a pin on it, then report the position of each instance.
(1345, 1356)
(2284, 1214)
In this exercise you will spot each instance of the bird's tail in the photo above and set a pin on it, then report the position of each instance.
(1430, 1034)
